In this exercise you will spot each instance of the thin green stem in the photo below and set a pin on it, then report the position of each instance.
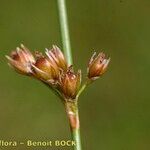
(73, 116)
(76, 138)
(87, 82)
(64, 30)
(81, 90)
(70, 106)
(76, 134)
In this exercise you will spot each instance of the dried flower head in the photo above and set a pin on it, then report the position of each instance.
(48, 67)
(56, 55)
(69, 83)
(44, 69)
(21, 60)
(97, 66)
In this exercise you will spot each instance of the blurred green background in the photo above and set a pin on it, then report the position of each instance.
(114, 111)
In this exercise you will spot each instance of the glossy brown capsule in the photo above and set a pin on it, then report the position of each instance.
(69, 83)
(97, 66)
(56, 55)
(21, 60)
(45, 69)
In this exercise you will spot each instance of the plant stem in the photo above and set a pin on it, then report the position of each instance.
(76, 135)
(70, 106)
(64, 30)
(73, 116)
(82, 89)
(87, 82)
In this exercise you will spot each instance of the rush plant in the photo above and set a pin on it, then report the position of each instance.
(55, 69)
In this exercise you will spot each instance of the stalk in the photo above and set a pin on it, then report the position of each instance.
(70, 105)
(64, 30)
(87, 82)
(73, 116)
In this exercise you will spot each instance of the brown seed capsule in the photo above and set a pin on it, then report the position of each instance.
(57, 56)
(45, 69)
(21, 60)
(69, 83)
(97, 66)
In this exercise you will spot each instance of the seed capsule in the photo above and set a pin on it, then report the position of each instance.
(97, 66)
(56, 55)
(45, 69)
(69, 83)
(21, 60)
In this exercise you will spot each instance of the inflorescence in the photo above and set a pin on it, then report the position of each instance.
(53, 70)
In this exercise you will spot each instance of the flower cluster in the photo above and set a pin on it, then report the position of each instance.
(52, 69)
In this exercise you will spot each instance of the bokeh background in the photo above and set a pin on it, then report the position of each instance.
(114, 111)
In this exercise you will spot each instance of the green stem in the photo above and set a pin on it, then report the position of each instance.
(64, 30)
(81, 90)
(76, 136)
(73, 116)
(70, 106)
(87, 82)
